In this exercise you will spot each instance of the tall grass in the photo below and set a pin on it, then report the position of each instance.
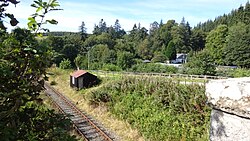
(161, 109)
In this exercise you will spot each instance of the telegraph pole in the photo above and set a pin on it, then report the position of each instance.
(88, 58)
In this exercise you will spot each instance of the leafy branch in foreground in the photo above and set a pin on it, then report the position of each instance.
(42, 8)
(3, 14)
(23, 63)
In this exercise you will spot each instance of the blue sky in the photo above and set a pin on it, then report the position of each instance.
(128, 12)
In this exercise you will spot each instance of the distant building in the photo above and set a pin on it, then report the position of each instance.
(82, 79)
(146, 61)
(180, 59)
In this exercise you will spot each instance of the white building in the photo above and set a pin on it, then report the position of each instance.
(180, 59)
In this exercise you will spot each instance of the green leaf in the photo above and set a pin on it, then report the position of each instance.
(33, 5)
(31, 19)
(39, 9)
(32, 24)
(52, 21)
(39, 2)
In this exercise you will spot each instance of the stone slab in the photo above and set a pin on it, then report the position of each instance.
(230, 95)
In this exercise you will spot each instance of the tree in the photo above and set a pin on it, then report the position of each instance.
(165, 31)
(161, 23)
(70, 52)
(105, 39)
(216, 42)
(141, 34)
(178, 35)
(117, 26)
(170, 51)
(153, 27)
(125, 45)
(83, 31)
(100, 28)
(181, 36)
(159, 57)
(237, 48)
(125, 60)
(119, 32)
(197, 40)
(134, 30)
(144, 50)
(201, 64)
(100, 54)
(103, 26)
(81, 62)
(90, 41)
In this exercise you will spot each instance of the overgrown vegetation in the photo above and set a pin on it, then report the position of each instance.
(234, 72)
(160, 108)
(151, 67)
(65, 64)
(23, 63)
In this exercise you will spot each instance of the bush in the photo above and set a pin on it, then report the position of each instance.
(240, 72)
(159, 108)
(65, 64)
(111, 67)
(200, 64)
(95, 66)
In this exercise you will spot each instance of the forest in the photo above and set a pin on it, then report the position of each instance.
(223, 41)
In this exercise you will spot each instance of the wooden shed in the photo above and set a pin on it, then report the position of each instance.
(82, 79)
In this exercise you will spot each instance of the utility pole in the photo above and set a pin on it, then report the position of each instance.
(88, 58)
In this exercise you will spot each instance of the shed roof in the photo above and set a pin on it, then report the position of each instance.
(78, 73)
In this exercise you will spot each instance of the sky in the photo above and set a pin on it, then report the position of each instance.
(128, 12)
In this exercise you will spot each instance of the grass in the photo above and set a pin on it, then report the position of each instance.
(99, 112)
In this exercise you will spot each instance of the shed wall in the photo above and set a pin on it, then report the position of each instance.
(80, 82)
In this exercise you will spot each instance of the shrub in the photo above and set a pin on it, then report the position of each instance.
(240, 72)
(65, 64)
(201, 64)
(111, 67)
(160, 108)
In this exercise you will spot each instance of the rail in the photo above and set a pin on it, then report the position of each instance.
(65, 106)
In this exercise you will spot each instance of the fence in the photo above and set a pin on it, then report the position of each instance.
(181, 78)
(113, 73)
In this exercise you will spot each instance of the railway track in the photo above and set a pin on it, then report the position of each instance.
(84, 124)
